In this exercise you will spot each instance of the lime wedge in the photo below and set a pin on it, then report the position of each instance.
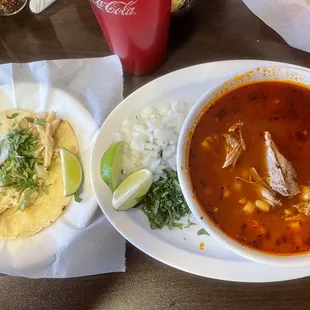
(72, 173)
(132, 189)
(111, 165)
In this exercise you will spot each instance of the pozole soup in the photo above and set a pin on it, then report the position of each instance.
(249, 165)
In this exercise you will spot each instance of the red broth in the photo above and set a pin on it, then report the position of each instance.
(281, 108)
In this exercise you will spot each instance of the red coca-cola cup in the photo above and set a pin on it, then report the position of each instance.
(136, 31)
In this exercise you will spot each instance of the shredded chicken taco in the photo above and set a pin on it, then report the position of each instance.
(31, 188)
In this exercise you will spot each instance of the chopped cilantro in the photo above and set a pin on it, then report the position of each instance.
(17, 167)
(41, 122)
(12, 116)
(189, 224)
(30, 119)
(77, 195)
(164, 204)
(178, 225)
(25, 198)
(202, 231)
(18, 170)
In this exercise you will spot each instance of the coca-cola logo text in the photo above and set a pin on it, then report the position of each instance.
(116, 7)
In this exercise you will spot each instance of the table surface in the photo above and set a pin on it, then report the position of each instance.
(215, 30)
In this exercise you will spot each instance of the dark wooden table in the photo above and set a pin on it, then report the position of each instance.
(216, 30)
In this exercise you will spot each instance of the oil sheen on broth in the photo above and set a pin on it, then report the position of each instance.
(229, 196)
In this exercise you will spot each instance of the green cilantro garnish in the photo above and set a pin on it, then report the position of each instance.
(30, 119)
(12, 116)
(25, 198)
(189, 224)
(202, 231)
(178, 225)
(77, 194)
(41, 122)
(164, 204)
(18, 169)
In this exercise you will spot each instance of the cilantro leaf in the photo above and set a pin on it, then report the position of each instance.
(164, 204)
(189, 224)
(25, 199)
(179, 225)
(18, 168)
(202, 231)
(12, 116)
(77, 195)
(30, 119)
(41, 122)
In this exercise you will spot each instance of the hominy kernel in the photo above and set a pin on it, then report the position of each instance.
(305, 193)
(262, 205)
(287, 212)
(205, 145)
(249, 207)
(294, 225)
(226, 193)
(243, 201)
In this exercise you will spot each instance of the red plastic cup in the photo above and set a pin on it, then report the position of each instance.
(136, 31)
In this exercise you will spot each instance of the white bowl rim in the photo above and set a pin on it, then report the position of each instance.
(298, 260)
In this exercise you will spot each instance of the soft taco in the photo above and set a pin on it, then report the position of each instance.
(31, 187)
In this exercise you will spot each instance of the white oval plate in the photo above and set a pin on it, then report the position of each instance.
(180, 248)
(17, 256)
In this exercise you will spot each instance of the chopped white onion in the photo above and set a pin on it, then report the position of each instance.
(155, 125)
(147, 161)
(119, 136)
(140, 129)
(154, 154)
(164, 109)
(150, 138)
(137, 144)
(127, 122)
(148, 112)
(173, 163)
(164, 135)
(167, 153)
(153, 164)
(178, 106)
(152, 147)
